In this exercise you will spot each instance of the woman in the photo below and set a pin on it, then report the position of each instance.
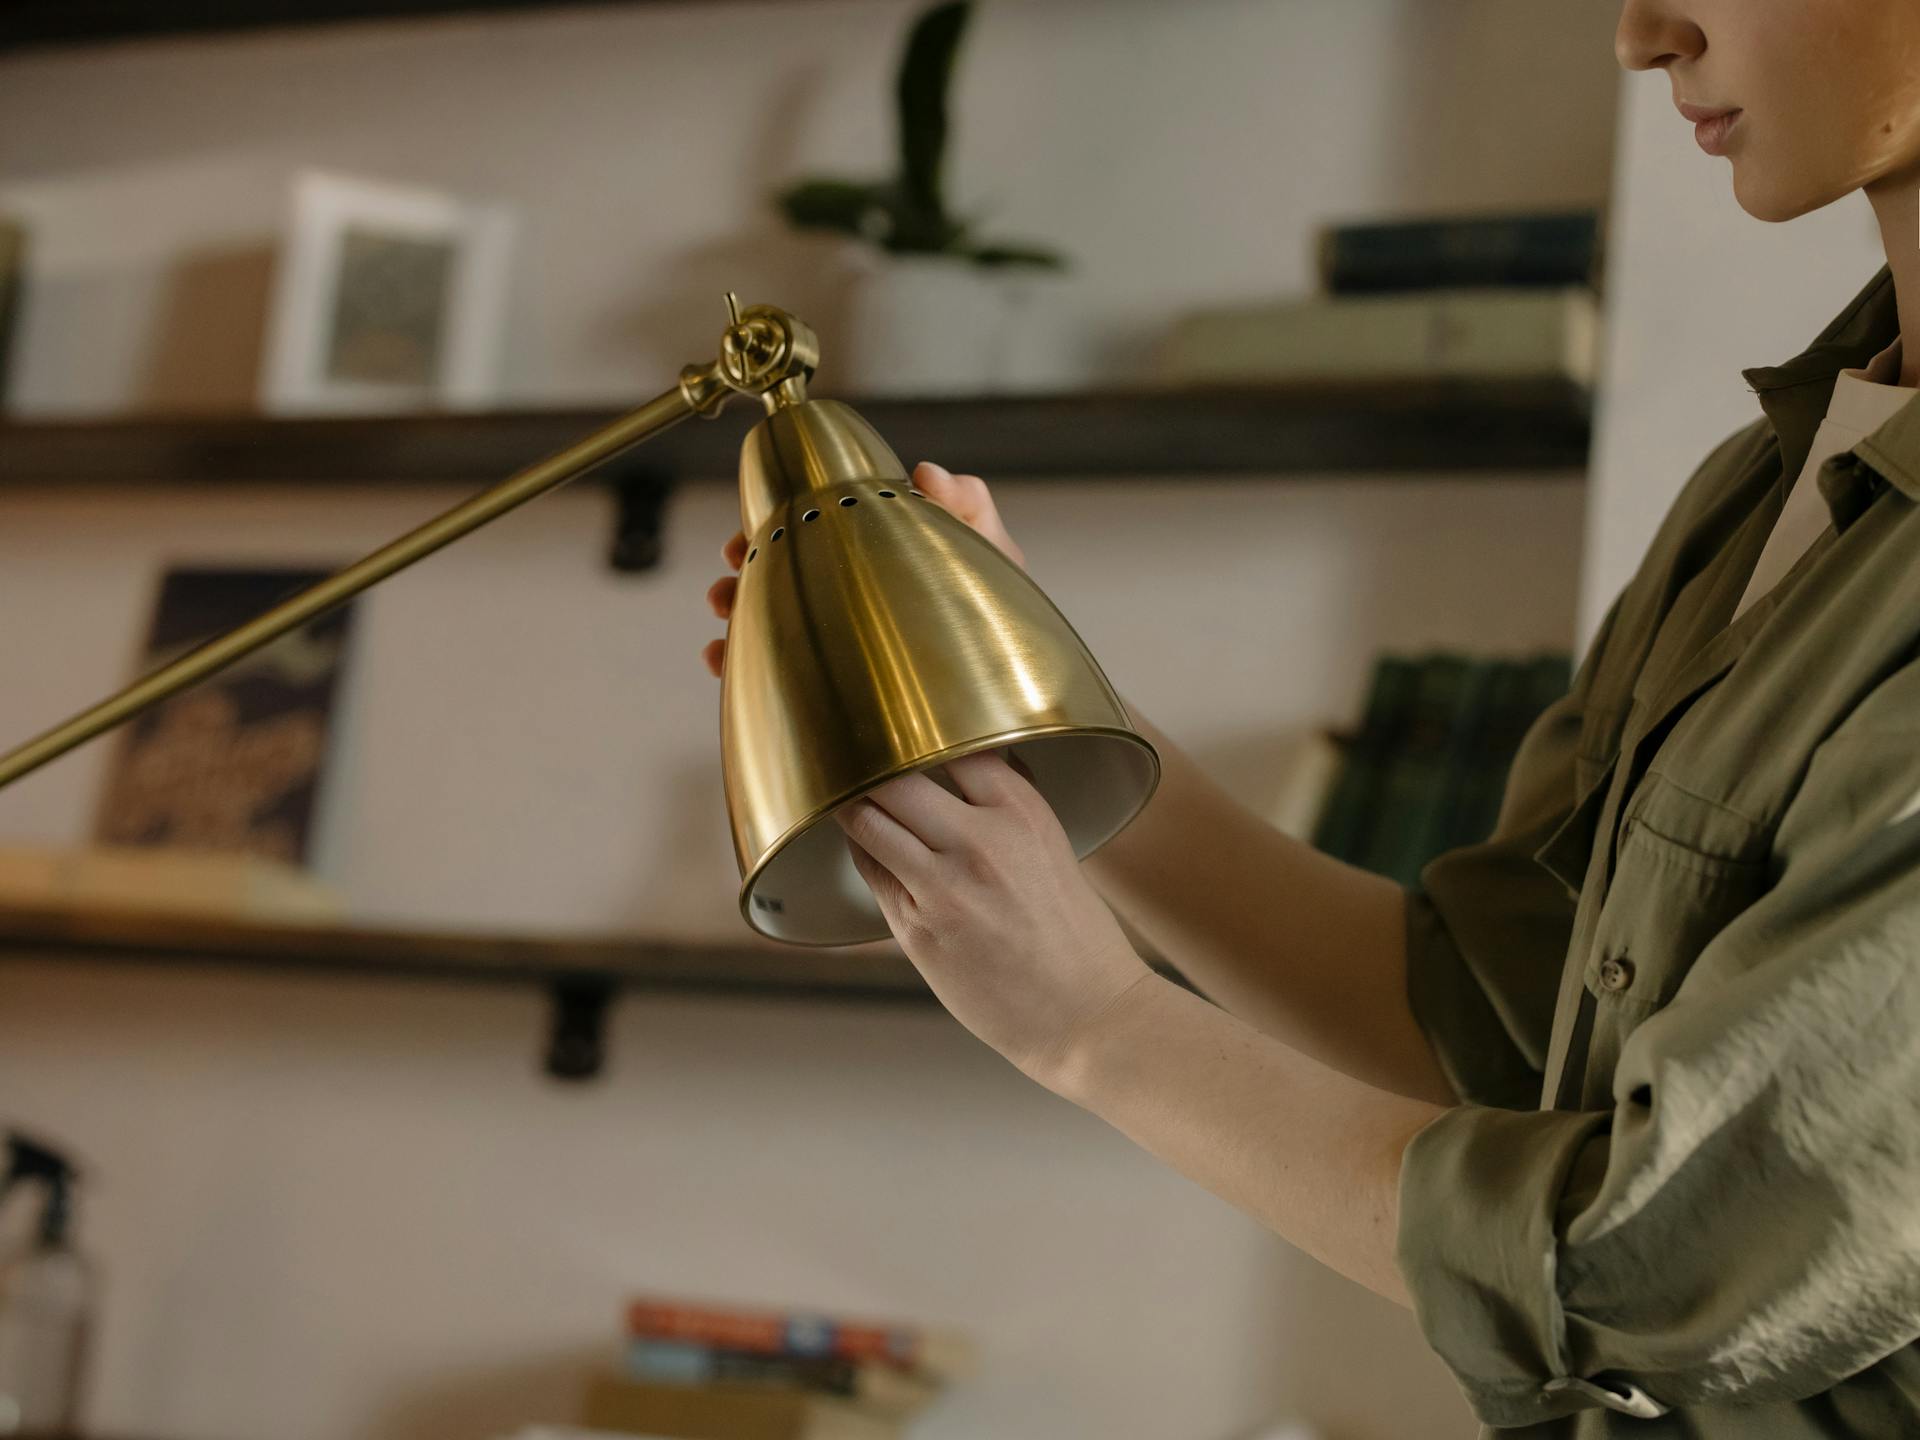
(1624, 1104)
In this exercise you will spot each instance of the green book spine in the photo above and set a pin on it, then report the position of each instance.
(1347, 820)
(1413, 781)
(1453, 795)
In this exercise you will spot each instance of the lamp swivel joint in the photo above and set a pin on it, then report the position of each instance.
(768, 353)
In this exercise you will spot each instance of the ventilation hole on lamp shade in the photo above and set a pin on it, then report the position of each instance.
(778, 532)
(811, 515)
(886, 494)
(847, 500)
(753, 554)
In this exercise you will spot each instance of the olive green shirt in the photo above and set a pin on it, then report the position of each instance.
(1679, 988)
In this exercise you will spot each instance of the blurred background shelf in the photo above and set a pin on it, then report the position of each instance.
(67, 22)
(620, 962)
(1429, 427)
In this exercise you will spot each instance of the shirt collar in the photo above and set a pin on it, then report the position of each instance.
(1795, 396)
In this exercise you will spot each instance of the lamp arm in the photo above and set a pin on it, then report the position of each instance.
(765, 352)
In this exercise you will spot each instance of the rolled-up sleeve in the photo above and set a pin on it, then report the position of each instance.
(1742, 1226)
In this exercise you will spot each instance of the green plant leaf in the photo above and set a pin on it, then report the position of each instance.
(926, 77)
(1027, 256)
(847, 206)
(908, 215)
(923, 232)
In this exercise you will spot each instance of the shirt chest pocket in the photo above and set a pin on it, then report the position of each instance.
(1684, 869)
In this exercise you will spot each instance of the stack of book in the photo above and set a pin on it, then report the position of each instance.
(1427, 769)
(1477, 297)
(711, 1372)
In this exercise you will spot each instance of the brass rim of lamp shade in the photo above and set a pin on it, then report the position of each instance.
(1084, 844)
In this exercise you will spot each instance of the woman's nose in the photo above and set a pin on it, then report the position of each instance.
(1653, 34)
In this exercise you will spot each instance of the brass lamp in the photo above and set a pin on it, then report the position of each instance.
(872, 635)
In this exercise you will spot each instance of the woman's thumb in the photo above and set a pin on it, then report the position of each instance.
(931, 477)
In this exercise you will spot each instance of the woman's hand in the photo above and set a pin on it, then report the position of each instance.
(982, 890)
(965, 496)
(981, 887)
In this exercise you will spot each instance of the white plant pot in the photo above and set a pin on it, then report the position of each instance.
(924, 325)
(935, 325)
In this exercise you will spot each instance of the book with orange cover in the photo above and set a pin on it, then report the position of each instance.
(939, 1354)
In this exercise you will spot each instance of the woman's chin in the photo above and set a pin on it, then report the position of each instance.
(1775, 202)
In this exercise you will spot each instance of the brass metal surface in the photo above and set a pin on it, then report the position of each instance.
(873, 634)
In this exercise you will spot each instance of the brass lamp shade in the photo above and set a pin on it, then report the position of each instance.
(872, 635)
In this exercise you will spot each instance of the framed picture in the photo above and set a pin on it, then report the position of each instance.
(236, 765)
(386, 297)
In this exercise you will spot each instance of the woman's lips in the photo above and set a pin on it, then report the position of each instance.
(1712, 126)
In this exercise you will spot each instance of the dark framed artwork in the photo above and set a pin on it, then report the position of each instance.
(238, 763)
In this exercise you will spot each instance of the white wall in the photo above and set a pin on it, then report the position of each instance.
(1179, 153)
(531, 737)
(348, 1209)
(1697, 291)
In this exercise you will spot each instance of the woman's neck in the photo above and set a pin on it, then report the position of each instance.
(1896, 204)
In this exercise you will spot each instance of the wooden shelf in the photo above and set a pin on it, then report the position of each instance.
(70, 22)
(1436, 426)
(861, 972)
(581, 974)
(623, 962)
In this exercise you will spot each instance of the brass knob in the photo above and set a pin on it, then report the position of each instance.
(765, 350)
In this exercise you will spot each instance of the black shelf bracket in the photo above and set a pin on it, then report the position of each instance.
(577, 1042)
(640, 494)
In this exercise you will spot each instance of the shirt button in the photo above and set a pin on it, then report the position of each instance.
(1616, 975)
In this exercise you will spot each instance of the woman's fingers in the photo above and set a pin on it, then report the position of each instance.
(961, 494)
(870, 869)
(720, 598)
(889, 842)
(933, 813)
(985, 778)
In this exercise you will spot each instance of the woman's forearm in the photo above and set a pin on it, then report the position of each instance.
(1302, 946)
(1309, 1152)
